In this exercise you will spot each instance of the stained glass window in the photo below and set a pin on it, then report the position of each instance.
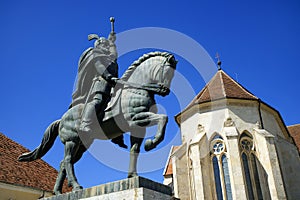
(250, 168)
(226, 177)
(217, 178)
(220, 169)
(256, 177)
(247, 176)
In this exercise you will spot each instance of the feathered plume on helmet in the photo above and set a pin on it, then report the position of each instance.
(93, 36)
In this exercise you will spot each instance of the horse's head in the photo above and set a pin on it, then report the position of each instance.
(155, 69)
(165, 71)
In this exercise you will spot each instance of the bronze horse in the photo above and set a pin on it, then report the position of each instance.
(132, 109)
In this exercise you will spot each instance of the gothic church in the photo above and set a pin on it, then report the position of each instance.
(234, 146)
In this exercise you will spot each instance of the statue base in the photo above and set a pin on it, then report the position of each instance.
(138, 188)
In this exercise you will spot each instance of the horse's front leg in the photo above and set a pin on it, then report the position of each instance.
(136, 139)
(161, 120)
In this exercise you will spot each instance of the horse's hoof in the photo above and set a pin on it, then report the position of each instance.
(149, 145)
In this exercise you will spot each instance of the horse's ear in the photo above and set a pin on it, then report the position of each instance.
(172, 61)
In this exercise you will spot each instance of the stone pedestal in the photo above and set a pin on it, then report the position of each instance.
(137, 188)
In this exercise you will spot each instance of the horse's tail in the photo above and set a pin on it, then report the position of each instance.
(48, 140)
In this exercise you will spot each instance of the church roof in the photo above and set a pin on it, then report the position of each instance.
(169, 167)
(295, 133)
(222, 86)
(37, 174)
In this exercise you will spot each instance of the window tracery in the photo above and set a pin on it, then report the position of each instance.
(220, 168)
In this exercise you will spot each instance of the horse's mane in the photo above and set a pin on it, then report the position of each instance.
(136, 63)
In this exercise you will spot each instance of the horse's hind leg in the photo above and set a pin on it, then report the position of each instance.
(60, 179)
(71, 149)
(62, 171)
(135, 149)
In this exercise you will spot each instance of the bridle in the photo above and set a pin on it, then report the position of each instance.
(158, 88)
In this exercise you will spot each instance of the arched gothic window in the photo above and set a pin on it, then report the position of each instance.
(249, 160)
(220, 169)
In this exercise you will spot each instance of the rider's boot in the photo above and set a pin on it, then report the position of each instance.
(88, 118)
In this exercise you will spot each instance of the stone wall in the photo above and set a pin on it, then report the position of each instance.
(290, 165)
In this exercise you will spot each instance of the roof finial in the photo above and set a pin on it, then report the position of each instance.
(219, 61)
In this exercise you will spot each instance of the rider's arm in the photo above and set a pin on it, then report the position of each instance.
(104, 73)
(112, 37)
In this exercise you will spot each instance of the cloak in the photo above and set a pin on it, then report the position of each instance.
(93, 63)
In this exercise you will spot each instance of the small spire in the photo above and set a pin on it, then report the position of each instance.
(219, 61)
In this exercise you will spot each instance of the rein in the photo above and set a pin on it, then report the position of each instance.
(156, 88)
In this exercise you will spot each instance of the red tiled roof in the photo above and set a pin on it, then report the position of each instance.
(295, 133)
(169, 170)
(219, 87)
(37, 174)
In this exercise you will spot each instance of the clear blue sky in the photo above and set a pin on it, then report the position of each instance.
(41, 42)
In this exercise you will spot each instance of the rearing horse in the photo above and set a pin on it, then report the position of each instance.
(131, 110)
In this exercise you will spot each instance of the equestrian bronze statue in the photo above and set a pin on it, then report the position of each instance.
(95, 113)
